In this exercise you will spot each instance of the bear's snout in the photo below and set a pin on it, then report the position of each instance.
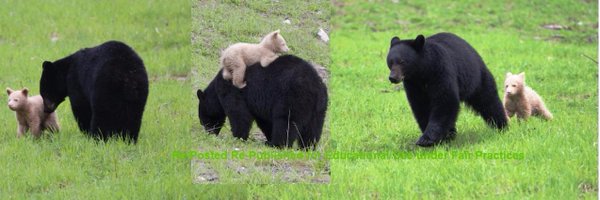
(394, 80)
(12, 107)
(49, 107)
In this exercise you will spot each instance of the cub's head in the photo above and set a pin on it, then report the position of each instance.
(17, 100)
(403, 57)
(53, 85)
(210, 112)
(275, 42)
(514, 84)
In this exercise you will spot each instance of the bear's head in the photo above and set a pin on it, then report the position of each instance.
(404, 57)
(53, 85)
(514, 84)
(17, 100)
(275, 42)
(210, 111)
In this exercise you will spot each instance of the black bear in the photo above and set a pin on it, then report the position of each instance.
(107, 86)
(287, 99)
(438, 73)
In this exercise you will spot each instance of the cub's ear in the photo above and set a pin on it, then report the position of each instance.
(25, 91)
(419, 42)
(508, 74)
(46, 64)
(522, 76)
(9, 91)
(275, 33)
(395, 40)
(200, 94)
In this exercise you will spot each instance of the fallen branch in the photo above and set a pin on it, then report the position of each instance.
(590, 58)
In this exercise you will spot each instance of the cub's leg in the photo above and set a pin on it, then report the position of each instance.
(238, 74)
(544, 112)
(227, 67)
(525, 112)
(36, 128)
(21, 129)
(268, 59)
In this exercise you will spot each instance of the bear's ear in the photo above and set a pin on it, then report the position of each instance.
(508, 74)
(46, 64)
(25, 91)
(9, 91)
(200, 94)
(275, 33)
(419, 42)
(522, 76)
(395, 40)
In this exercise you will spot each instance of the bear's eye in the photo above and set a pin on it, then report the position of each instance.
(514, 85)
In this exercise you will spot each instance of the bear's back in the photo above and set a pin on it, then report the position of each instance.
(111, 66)
(288, 80)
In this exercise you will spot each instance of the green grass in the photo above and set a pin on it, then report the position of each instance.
(218, 24)
(69, 165)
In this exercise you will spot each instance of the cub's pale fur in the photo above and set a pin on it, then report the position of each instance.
(522, 100)
(30, 113)
(237, 57)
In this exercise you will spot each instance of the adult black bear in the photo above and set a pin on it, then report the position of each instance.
(287, 99)
(438, 73)
(107, 86)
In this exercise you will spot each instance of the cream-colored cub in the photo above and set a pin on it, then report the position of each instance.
(522, 100)
(237, 57)
(30, 113)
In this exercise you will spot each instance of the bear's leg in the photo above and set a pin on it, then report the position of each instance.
(524, 112)
(36, 128)
(444, 111)
(21, 130)
(51, 123)
(544, 111)
(265, 126)
(487, 103)
(451, 132)
(283, 133)
(113, 116)
(82, 113)
(238, 75)
(227, 74)
(311, 132)
(268, 59)
(444, 107)
(419, 104)
(509, 113)
(238, 114)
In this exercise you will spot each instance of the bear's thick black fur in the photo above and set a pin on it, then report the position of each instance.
(287, 99)
(107, 86)
(438, 73)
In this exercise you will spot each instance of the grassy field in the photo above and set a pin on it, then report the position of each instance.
(218, 24)
(560, 156)
(68, 165)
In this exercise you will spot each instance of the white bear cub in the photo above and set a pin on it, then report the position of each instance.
(237, 57)
(522, 100)
(30, 113)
